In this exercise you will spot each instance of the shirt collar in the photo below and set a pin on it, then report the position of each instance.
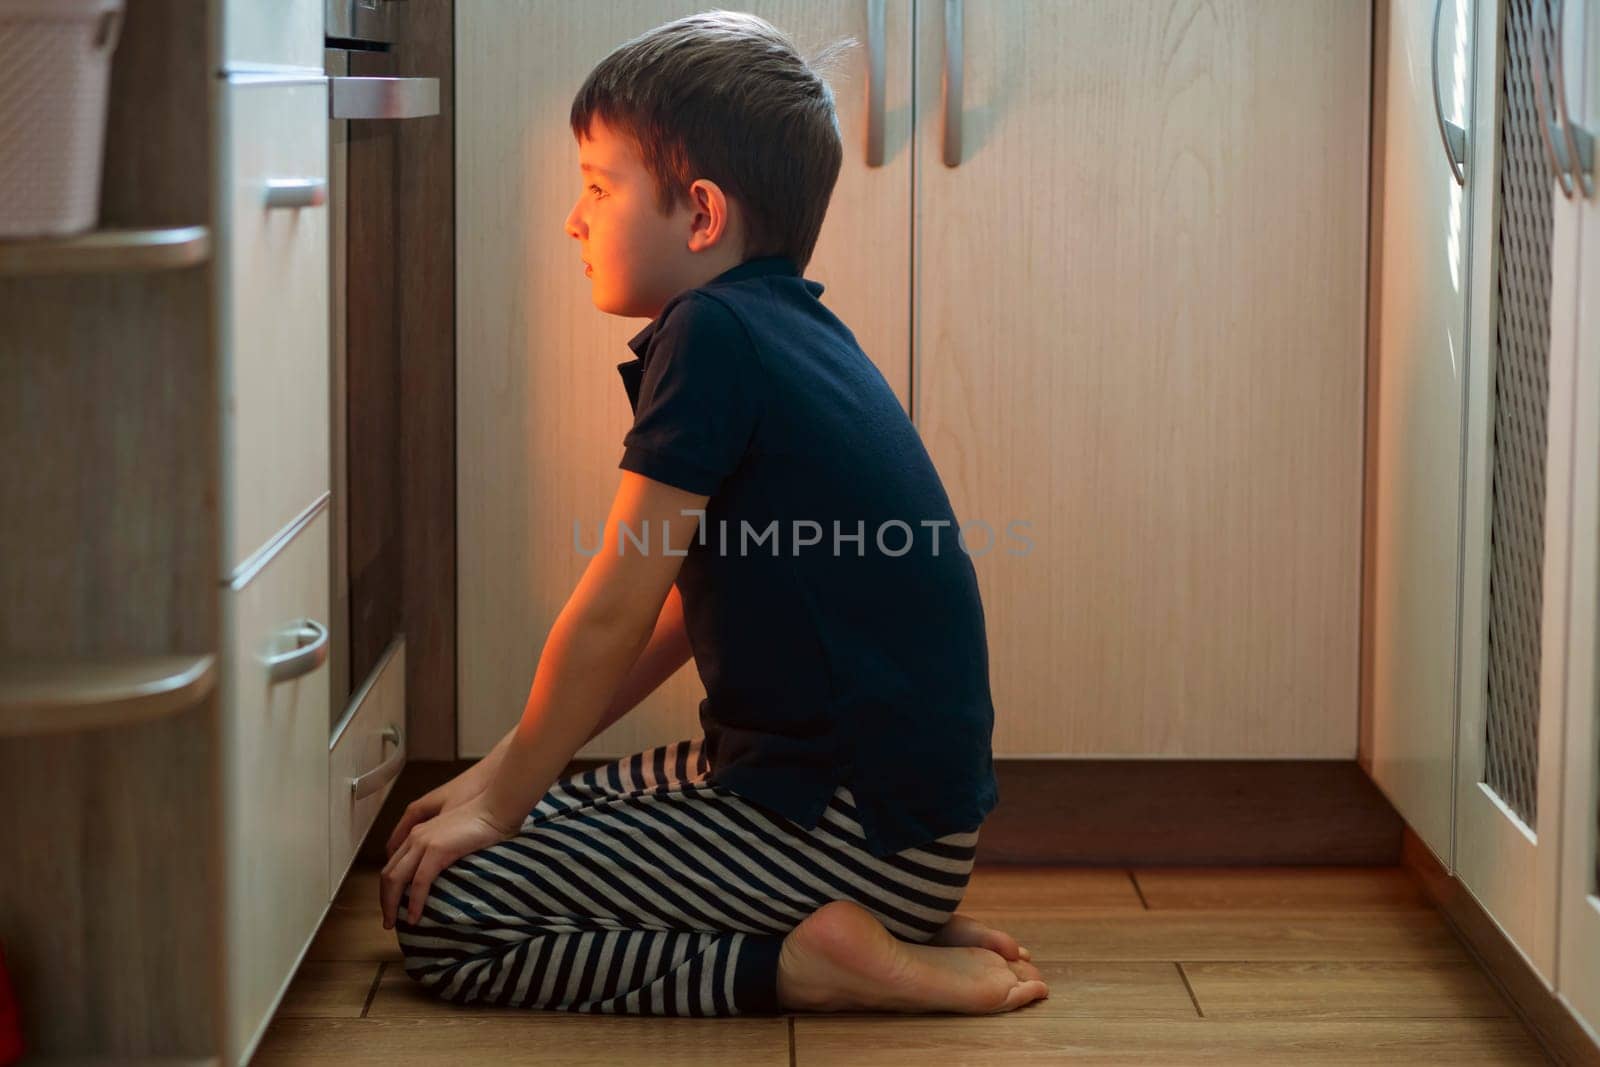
(750, 268)
(632, 370)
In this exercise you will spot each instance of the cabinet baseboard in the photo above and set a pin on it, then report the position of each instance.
(1107, 813)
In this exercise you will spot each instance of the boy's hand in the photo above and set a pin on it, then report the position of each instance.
(431, 847)
(465, 786)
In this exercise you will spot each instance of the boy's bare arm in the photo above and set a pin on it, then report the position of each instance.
(667, 651)
(601, 632)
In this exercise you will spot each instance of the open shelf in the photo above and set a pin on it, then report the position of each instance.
(52, 697)
(106, 251)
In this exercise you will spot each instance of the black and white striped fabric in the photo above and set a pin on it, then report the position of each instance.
(641, 888)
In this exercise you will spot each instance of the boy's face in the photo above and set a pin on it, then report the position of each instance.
(637, 258)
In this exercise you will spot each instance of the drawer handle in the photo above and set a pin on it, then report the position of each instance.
(385, 772)
(383, 98)
(954, 73)
(296, 192)
(877, 71)
(309, 653)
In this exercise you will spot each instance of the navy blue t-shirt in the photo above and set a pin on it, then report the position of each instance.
(834, 617)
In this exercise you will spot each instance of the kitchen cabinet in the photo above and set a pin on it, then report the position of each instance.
(1130, 315)
(1577, 963)
(1415, 498)
(1138, 328)
(1517, 499)
(193, 790)
(1483, 700)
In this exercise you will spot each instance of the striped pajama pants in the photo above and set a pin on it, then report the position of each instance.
(641, 888)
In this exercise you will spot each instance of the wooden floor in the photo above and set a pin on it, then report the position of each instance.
(1272, 965)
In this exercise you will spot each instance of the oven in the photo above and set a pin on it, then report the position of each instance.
(367, 102)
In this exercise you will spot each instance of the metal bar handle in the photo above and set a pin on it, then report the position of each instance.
(953, 71)
(1578, 141)
(877, 72)
(296, 192)
(309, 653)
(383, 773)
(1452, 136)
(1553, 150)
(383, 97)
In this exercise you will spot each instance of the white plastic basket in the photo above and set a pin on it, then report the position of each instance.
(55, 68)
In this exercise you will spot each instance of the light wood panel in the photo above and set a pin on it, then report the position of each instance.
(329, 990)
(541, 410)
(1578, 958)
(534, 1037)
(948, 1042)
(1139, 328)
(1359, 989)
(39, 697)
(107, 251)
(1420, 363)
(1232, 934)
(1329, 888)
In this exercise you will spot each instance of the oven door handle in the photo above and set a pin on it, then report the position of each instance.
(383, 98)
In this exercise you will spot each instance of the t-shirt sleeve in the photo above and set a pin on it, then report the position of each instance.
(698, 399)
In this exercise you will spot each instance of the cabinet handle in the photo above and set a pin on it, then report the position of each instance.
(953, 70)
(309, 653)
(296, 192)
(383, 773)
(383, 98)
(1573, 155)
(877, 71)
(1454, 137)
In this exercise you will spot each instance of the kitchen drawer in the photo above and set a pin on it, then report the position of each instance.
(275, 730)
(271, 33)
(274, 297)
(364, 759)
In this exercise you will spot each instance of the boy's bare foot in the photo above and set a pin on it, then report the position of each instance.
(842, 959)
(965, 930)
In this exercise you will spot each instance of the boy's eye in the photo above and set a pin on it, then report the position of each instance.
(596, 189)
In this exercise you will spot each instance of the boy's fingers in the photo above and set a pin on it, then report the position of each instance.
(392, 884)
(401, 829)
(420, 885)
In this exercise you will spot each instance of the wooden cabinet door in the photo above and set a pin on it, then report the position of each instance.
(1139, 329)
(1421, 223)
(275, 774)
(541, 410)
(1578, 936)
(1516, 535)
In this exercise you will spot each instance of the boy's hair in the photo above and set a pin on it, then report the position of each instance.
(724, 95)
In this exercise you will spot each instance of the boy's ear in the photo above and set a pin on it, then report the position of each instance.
(710, 215)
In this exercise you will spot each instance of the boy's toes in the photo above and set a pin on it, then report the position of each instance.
(1024, 993)
(1025, 971)
(963, 930)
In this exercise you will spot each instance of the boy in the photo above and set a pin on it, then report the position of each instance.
(808, 854)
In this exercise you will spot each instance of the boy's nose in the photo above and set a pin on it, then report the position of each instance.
(572, 228)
